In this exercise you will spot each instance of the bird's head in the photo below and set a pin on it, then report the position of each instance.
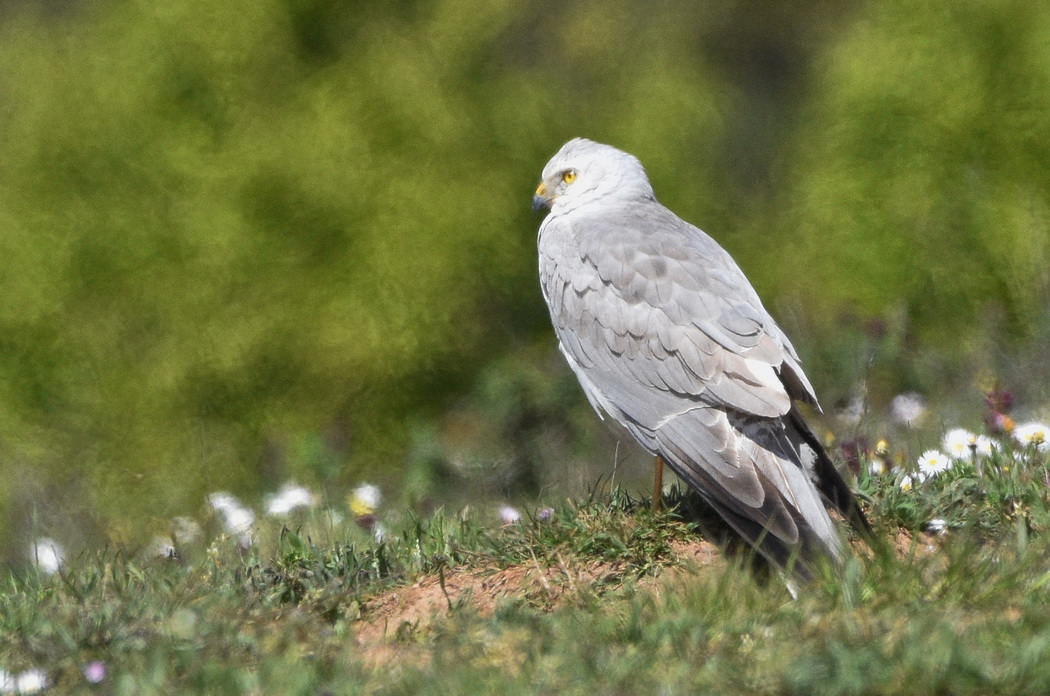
(584, 171)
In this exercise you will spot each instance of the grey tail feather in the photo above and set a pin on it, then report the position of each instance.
(794, 559)
(797, 559)
(830, 482)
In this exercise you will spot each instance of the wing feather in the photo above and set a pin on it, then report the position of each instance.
(668, 337)
(614, 294)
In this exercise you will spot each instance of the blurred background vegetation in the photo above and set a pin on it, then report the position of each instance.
(248, 242)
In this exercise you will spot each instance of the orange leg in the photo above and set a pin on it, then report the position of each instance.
(658, 484)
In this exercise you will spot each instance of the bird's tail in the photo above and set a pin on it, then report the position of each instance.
(828, 480)
(782, 512)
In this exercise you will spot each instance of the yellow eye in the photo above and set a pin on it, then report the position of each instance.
(569, 176)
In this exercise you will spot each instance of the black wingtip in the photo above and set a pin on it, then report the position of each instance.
(830, 482)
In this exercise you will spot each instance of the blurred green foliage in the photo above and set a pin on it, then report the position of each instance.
(919, 180)
(243, 242)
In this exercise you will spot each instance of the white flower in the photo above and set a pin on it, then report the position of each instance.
(962, 444)
(48, 555)
(288, 498)
(906, 482)
(508, 515)
(237, 520)
(907, 409)
(937, 526)
(220, 501)
(958, 443)
(365, 499)
(933, 462)
(985, 446)
(1034, 434)
(32, 681)
(878, 467)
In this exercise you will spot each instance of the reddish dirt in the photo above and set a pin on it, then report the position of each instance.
(392, 622)
(391, 618)
(921, 544)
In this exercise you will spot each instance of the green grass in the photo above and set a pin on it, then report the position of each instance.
(967, 611)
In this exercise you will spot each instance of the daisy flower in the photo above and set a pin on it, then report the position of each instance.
(363, 502)
(288, 498)
(237, 520)
(32, 681)
(365, 499)
(881, 461)
(48, 555)
(985, 446)
(962, 444)
(959, 443)
(933, 462)
(1034, 435)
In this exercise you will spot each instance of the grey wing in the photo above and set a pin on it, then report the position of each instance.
(666, 335)
(669, 308)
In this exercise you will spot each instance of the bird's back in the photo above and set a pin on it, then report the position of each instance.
(668, 337)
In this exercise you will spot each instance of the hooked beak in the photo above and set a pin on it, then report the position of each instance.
(542, 199)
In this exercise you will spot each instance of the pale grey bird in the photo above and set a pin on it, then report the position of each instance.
(667, 336)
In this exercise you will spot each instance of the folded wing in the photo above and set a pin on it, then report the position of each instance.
(668, 337)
